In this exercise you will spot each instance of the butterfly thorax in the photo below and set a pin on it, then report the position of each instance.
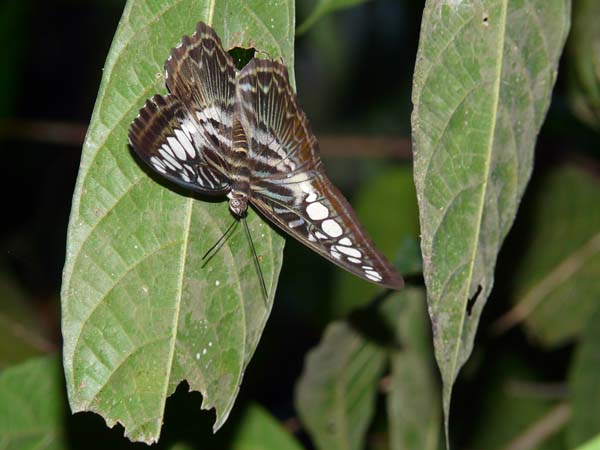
(238, 203)
(240, 173)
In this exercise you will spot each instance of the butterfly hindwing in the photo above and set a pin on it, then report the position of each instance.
(279, 136)
(287, 183)
(164, 137)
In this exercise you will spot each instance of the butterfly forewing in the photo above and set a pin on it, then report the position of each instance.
(168, 140)
(287, 182)
(202, 75)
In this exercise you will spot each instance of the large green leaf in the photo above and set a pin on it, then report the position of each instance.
(335, 396)
(511, 404)
(141, 312)
(483, 80)
(324, 7)
(584, 390)
(556, 286)
(258, 430)
(592, 444)
(31, 406)
(584, 64)
(413, 400)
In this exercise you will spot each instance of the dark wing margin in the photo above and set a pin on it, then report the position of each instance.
(287, 183)
(168, 141)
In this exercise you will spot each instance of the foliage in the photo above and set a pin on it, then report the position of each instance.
(584, 75)
(134, 249)
(322, 8)
(481, 90)
(31, 405)
(152, 333)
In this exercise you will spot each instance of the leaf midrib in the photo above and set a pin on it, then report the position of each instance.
(184, 253)
(487, 165)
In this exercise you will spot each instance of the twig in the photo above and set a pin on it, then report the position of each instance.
(541, 430)
(46, 131)
(73, 134)
(528, 389)
(371, 146)
(542, 289)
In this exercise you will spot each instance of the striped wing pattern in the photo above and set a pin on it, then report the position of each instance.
(288, 183)
(187, 134)
(170, 142)
(243, 134)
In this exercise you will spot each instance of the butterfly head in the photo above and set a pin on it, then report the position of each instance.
(238, 203)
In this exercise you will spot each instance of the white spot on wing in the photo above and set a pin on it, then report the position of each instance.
(165, 148)
(188, 127)
(177, 148)
(373, 275)
(320, 235)
(170, 166)
(316, 211)
(345, 241)
(296, 223)
(354, 260)
(169, 159)
(185, 142)
(332, 228)
(349, 251)
(311, 197)
(373, 278)
(158, 165)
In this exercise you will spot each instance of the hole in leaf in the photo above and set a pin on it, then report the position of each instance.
(472, 300)
(241, 56)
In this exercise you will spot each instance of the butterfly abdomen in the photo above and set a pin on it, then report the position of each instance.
(239, 171)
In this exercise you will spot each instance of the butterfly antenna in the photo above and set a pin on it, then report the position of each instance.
(217, 244)
(256, 262)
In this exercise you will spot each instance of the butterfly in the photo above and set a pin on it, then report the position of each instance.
(241, 134)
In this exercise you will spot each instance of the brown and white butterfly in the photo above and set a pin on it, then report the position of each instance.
(220, 131)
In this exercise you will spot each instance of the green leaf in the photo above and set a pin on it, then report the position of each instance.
(180, 446)
(31, 406)
(516, 407)
(482, 85)
(335, 396)
(323, 8)
(592, 444)
(584, 73)
(20, 335)
(413, 397)
(557, 286)
(584, 389)
(141, 310)
(258, 430)
(396, 236)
